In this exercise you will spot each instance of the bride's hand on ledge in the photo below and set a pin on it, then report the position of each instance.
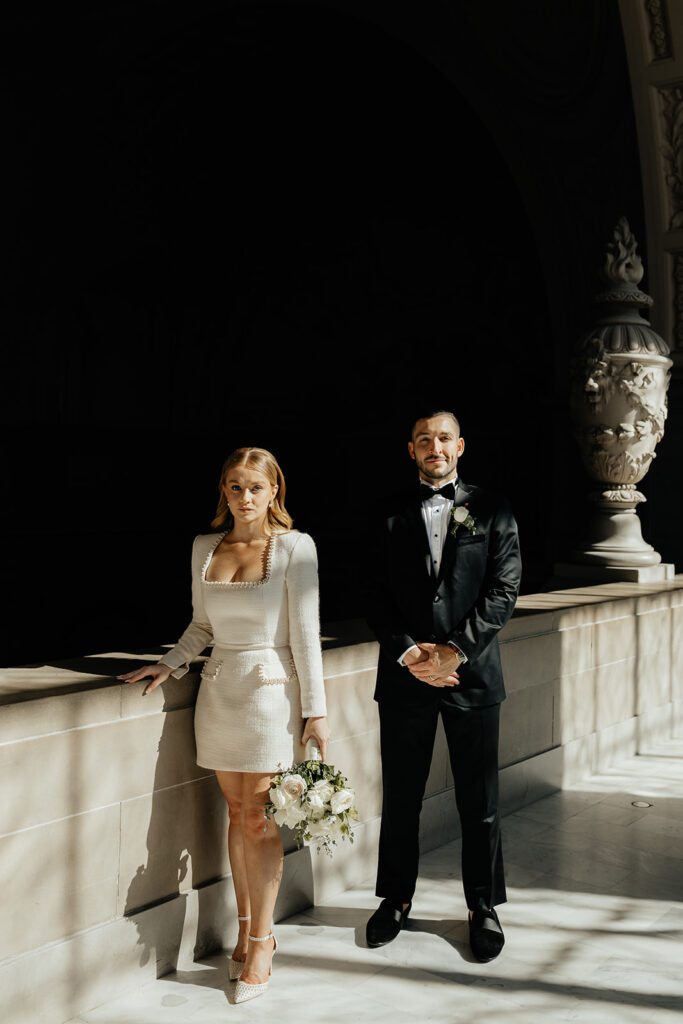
(159, 674)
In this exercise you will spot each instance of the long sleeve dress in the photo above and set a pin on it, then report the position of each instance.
(265, 674)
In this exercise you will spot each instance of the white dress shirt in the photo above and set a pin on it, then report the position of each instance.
(436, 514)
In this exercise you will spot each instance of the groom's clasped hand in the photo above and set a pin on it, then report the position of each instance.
(435, 664)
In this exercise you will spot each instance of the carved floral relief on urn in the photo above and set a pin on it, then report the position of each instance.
(620, 376)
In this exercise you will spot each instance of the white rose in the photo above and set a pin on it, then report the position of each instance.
(342, 800)
(460, 514)
(295, 815)
(316, 806)
(277, 798)
(289, 816)
(294, 786)
(323, 789)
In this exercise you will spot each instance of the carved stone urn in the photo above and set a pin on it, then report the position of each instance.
(620, 376)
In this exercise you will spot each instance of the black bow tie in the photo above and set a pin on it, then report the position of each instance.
(447, 491)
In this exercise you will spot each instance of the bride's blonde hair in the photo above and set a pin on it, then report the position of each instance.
(262, 461)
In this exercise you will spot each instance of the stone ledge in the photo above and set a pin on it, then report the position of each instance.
(347, 646)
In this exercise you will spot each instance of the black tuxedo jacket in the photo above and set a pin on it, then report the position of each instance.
(470, 600)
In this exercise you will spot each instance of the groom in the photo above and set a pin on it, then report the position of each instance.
(446, 575)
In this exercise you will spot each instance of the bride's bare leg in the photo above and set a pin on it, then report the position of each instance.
(231, 785)
(263, 850)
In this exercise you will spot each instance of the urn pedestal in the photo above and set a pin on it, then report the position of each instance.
(620, 376)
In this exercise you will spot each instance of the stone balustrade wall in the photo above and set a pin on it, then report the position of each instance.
(113, 843)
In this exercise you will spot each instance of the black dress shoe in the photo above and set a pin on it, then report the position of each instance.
(386, 923)
(486, 935)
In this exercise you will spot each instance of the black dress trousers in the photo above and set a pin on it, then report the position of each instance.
(407, 733)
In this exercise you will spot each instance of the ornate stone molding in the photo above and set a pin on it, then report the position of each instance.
(671, 97)
(678, 299)
(652, 29)
(660, 32)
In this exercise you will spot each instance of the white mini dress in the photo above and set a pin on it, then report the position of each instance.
(265, 673)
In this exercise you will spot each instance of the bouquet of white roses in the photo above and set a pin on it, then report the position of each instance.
(314, 800)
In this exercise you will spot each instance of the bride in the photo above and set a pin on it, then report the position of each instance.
(261, 697)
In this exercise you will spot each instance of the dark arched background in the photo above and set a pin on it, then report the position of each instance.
(287, 225)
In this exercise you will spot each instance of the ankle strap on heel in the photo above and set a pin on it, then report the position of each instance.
(247, 918)
(260, 938)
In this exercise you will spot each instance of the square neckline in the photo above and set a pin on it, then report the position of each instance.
(237, 583)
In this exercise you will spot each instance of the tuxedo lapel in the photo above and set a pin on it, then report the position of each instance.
(419, 545)
(450, 548)
(417, 530)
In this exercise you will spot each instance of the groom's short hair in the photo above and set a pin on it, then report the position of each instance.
(428, 414)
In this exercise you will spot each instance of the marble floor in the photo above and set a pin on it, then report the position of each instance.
(594, 929)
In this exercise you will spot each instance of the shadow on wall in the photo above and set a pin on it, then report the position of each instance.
(185, 844)
(186, 848)
(162, 860)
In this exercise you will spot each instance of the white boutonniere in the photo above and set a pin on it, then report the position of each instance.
(460, 516)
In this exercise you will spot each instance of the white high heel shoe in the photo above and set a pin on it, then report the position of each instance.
(235, 967)
(243, 990)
